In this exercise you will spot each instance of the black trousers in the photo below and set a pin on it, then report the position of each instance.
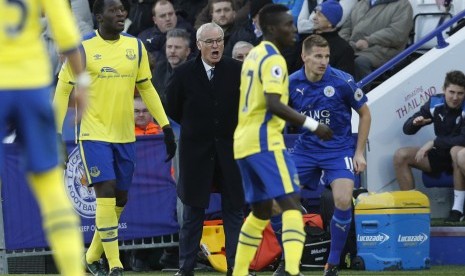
(191, 232)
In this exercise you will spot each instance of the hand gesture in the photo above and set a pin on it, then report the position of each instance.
(421, 121)
(323, 132)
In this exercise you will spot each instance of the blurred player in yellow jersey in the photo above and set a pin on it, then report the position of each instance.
(116, 62)
(25, 89)
(268, 172)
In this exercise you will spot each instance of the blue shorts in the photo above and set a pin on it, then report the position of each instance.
(268, 175)
(325, 167)
(30, 112)
(105, 161)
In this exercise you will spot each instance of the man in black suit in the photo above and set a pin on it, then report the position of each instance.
(205, 103)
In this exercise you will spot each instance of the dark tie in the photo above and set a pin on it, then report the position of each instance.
(212, 73)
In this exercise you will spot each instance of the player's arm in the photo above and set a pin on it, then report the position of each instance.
(61, 98)
(362, 137)
(275, 106)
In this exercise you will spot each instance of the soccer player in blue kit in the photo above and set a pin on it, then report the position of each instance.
(328, 95)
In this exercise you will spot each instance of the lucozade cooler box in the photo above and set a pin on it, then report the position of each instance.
(393, 231)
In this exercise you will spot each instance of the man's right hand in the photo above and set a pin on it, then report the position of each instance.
(421, 121)
(323, 132)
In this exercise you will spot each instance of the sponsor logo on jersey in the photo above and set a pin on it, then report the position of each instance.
(97, 57)
(301, 91)
(77, 187)
(329, 91)
(107, 69)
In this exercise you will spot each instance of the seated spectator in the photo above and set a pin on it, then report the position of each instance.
(377, 30)
(307, 13)
(327, 17)
(242, 8)
(444, 111)
(177, 51)
(139, 17)
(241, 49)
(165, 19)
(144, 124)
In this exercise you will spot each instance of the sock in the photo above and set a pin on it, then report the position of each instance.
(249, 240)
(459, 198)
(106, 222)
(95, 251)
(339, 227)
(60, 222)
(293, 240)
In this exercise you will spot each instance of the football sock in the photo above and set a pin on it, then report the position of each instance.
(293, 240)
(107, 227)
(249, 240)
(459, 198)
(95, 251)
(60, 222)
(339, 227)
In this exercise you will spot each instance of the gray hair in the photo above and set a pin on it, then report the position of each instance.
(239, 45)
(209, 25)
(180, 33)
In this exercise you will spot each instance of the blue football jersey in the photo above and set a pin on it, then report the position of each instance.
(329, 101)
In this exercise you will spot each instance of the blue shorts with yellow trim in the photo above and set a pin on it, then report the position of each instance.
(105, 161)
(30, 113)
(268, 175)
(314, 168)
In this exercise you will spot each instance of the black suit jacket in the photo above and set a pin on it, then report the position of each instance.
(207, 112)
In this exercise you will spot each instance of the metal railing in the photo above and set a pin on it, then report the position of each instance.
(441, 43)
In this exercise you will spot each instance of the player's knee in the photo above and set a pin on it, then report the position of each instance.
(400, 157)
(343, 202)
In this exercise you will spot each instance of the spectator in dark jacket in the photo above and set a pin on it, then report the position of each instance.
(446, 113)
(165, 19)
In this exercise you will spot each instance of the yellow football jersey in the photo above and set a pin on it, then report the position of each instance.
(24, 62)
(114, 67)
(264, 71)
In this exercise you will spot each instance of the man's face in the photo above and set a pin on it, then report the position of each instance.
(113, 16)
(211, 45)
(316, 60)
(177, 50)
(142, 115)
(320, 22)
(454, 95)
(164, 17)
(284, 30)
(223, 13)
(241, 53)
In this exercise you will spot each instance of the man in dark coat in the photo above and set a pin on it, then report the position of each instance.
(205, 104)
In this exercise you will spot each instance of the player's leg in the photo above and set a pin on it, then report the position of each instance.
(287, 195)
(309, 176)
(252, 230)
(404, 159)
(36, 131)
(98, 160)
(339, 172)
(457, 154)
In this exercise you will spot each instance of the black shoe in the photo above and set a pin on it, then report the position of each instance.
(116, 271)
(454, 216)
(96, 268)
(330, 270)
(280, 269)
(184, 273)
